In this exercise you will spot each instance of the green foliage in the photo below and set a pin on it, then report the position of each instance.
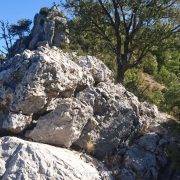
(128, 29)
(149, 65)
(2, 57)
(132, 80)
(166, 77)
(172, 99)
(22, 27)
(156, 97)
(44, 11)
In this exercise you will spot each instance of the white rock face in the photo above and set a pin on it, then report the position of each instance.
(99, 70)
(29, 81)
(64, 125)
(21, 159)
(15, 123)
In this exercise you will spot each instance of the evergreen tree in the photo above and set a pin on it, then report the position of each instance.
(129, 29)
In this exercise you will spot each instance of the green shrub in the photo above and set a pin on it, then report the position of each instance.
(132, 80)
(44, 11)
(166, 77)
(156, 98)
(150, 65)
(172, 99)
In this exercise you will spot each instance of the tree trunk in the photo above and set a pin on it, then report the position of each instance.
(120, 70)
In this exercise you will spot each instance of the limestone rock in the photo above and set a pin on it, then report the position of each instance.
(126, 174)
(50, 28)
(15, 123)
(97, 68)
(114, 119)
(143, 157)
(30, 80)
(64, 125)
(21, 159)
(149, 141)
(149, 110)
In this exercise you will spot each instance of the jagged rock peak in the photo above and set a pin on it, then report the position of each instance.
(49, 28)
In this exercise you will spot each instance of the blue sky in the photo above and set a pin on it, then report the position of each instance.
(13, 10)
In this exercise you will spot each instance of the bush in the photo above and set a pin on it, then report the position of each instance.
(2, 57)
(150, 65)
(172, 99)
(156, 98)
(166, 77)
(19, 29)
(44, 11)
(132, 80)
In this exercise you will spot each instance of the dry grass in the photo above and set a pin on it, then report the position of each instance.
(150, 83)
(90, 147)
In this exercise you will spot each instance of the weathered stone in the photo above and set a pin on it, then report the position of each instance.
(62, 126)
(37, 77)
(142, 157)
(97, 68)
(15, 123)
(73, 102)
(126, 174)
(50, 27)
(149, 141)
(114, 119)
(149, 110)
(21, 159)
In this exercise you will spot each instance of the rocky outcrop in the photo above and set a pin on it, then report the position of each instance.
(29, 81)
(143, 159)
(21, 159)
(49, 29)
(61, 99)
(15, 123)
(115, 121)
(50, 26)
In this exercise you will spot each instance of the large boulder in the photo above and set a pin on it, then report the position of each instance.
(64, 125)
(21, 159)
(29, 81)
(114, 123)
(98, 69)
(144, 158)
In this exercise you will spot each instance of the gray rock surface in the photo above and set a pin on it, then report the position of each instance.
(64, 125)
(29, 81)
(99, 70)
(50, 28)
(21, 159)
(114, 122)
(143, 157)
(15, 123)
(61, 99)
